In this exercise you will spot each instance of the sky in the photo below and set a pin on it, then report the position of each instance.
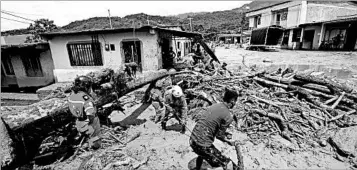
(64, 12)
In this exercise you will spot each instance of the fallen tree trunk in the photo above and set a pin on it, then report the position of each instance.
(30, 133)
(7, 150)
(336, 88)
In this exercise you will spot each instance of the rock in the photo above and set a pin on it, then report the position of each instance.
(6, 151)
(345, 141)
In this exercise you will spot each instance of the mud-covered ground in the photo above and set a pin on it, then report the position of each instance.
(333, 59)
(339, 64)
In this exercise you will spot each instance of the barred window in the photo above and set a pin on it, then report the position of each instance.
(85, 54)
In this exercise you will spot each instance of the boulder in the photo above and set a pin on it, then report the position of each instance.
(345, 141)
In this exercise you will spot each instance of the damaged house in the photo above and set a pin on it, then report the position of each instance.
(310, 25)
(25, 65)
(80, 52)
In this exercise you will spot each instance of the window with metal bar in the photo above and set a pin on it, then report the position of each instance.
(85, 54)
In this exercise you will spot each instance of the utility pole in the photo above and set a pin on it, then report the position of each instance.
(148, 20)
(110, 21)
(190, 23)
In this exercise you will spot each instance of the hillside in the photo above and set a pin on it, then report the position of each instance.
(204, 22)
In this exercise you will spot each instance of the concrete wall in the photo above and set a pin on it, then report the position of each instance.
(293, 19)
(322, 12)
(266, 20)
(20, 72)
(64, 72)
(317, 34)
(251, 22)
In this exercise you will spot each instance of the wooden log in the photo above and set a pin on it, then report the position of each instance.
(331, 100)
(30, 133)
(267, 82)
(240, 162)
(346, 101)
(333, 86)
(341, 115)
(279, 119)
(288, 81)
(338, 101)
(206, 48)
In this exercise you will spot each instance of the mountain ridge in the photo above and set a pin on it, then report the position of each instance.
(226, 21)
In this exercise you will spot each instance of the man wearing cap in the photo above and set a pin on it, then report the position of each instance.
(175, 103)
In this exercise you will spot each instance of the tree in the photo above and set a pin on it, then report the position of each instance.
(40, 26)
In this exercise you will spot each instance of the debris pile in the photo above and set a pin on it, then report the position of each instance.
(305, 109)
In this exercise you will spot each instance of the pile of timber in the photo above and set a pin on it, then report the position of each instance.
(302, 108)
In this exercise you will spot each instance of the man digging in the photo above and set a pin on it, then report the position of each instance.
(213, 125)
(82, 107)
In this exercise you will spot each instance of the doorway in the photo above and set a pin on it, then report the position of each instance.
(308, 39)
(165, 48)
(351, 37)
(132, 52)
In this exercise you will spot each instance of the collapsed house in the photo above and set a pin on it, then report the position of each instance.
(80, 52)
(25, 65)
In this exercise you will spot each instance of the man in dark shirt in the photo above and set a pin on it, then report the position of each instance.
(214, 125)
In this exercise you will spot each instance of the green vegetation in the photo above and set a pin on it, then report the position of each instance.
(228, 21)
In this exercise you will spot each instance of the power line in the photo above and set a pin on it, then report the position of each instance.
(21, 13)
(17, 16)
(16, 20)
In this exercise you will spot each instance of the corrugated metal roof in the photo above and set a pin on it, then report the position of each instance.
(120, 30)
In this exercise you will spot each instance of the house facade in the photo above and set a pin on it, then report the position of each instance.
(305, 22)
(25, 65)
(229, 38)
(80, 52)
